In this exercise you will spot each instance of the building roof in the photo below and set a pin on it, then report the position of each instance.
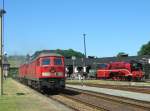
(88, 61)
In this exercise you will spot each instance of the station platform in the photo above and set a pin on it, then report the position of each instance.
(114, 92)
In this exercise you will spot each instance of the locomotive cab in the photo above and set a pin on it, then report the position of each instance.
(53, 72)
(137, 70)
(52, 67)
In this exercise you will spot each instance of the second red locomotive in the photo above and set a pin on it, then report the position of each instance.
(46, 70)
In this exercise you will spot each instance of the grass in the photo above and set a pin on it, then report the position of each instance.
(19, 98)
(15, 63)
(8, 102)
(13, 99)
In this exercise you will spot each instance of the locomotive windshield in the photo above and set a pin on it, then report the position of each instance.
(57, 61)
(46, 61)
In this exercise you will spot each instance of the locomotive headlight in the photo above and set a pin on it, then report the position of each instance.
(59, 74)
(46, 73)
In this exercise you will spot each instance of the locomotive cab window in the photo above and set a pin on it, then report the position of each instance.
(136, 66)
(57, 61)
(46, 61)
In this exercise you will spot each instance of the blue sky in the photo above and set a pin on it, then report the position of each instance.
(111, 26)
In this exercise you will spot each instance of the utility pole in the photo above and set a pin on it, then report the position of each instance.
(84, 50)
(1, 50)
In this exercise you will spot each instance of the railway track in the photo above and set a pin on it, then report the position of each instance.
(76, 104)
(86, 102)
(103, 102)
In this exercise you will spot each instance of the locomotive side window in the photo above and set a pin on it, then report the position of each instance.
(57, 61)
(46, 61)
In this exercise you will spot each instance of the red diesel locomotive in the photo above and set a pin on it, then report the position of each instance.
(120, 71)
(44, 71)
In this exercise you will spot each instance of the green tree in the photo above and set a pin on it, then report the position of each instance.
(145, 49)
(122, 54)
(70, 53)
(65, 53)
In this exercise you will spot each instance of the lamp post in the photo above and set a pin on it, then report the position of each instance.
(1, 50)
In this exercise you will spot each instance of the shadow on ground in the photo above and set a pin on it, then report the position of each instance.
(20, 93)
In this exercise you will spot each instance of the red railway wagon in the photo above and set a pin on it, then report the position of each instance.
(44, 71)
(120, 71)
